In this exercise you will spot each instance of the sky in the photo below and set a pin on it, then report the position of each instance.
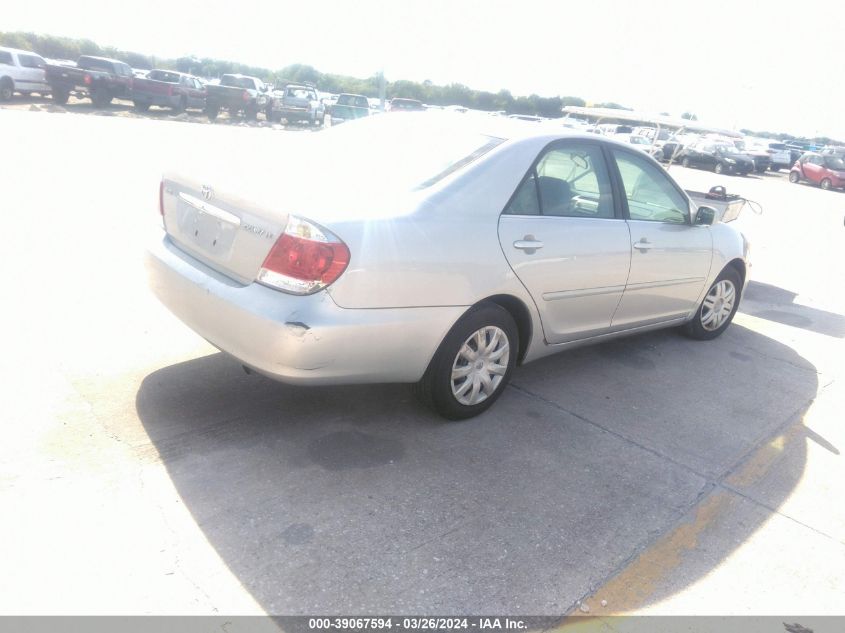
(773, 66)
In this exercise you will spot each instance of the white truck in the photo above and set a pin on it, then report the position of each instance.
(22, 72)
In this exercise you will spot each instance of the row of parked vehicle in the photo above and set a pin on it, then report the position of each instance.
(732, 155)
(102, 80)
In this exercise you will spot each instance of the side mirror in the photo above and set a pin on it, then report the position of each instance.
(705, 216)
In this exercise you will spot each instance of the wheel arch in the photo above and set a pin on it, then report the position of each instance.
(521, 316)
(739, 266)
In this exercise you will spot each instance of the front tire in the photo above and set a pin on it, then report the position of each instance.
(826, 184)
(793, 177)
(101, 98)
(60, 97)
(718, 308)
(473, 364)
(718, 168)
(685, 163)
(7, 88)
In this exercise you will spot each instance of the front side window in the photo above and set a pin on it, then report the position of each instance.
(650, 193)
(569, 180)
(31, 61)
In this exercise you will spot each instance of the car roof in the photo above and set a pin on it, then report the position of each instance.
(102, 59)
(18, 51)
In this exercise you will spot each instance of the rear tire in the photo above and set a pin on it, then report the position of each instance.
(183, 105)
(212, 111)
(826, 184)
(717, 309)
(473, 364)
(142, 107)
(685, 163)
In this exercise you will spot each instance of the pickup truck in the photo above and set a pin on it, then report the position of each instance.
(99, 78)
(236, 93)
(294, 103)
(169, 89)
(348, 107)
(21, 71)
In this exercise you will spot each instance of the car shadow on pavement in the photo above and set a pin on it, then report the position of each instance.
(358, 500)
(783, 309)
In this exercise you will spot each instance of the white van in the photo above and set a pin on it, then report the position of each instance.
(21, 71)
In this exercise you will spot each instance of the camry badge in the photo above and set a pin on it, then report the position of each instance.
(207, 192)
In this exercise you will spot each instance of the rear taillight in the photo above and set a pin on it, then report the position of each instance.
(305, 259)
(170, 90)
(245, 96)
(87, 80)
(161, 198)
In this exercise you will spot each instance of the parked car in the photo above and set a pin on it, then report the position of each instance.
(720, 157)
(349, 107)
(99, 78)
(446, 251)
(295, 103)
(640, 142)
(168, 89)
(21, 72)
(404, 105)
(779, 154)
(825, 170)
(612, 129)
(758, 153)
(237, 93)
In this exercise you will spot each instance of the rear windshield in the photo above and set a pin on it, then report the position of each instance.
(352, 100)
(5, 58)
(302, 93)
(164, 75)
(406, 104)
(89, 63)
(409, 153)
(238, 82)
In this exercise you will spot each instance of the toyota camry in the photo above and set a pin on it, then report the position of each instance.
(436, 249)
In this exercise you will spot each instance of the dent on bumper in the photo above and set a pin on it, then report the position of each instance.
(296, 339)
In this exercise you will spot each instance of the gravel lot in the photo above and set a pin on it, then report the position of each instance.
(142, 472)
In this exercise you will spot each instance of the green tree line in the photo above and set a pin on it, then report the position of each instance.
(56, 47)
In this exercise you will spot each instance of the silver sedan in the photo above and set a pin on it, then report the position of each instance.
(439, 250)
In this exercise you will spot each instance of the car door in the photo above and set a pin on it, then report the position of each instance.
(670, 258)
(565, 239)
(31, 73)
(197, 94)
(813, 168)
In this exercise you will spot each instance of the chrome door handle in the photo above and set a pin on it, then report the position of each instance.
(528, 243)
(642, 245)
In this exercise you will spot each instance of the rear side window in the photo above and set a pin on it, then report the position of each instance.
(651, 195)
(6, 58)
(570, 180)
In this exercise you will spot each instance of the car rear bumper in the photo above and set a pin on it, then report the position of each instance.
(296, 339)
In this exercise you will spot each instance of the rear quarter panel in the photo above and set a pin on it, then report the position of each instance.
(443, 248)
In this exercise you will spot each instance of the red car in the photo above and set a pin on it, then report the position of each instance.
(827, 171)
